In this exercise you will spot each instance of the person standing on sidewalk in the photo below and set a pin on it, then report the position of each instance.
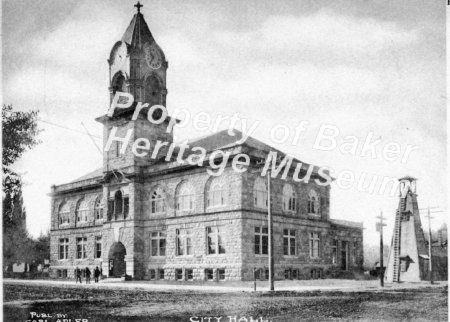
(88, 275)
(96, 274)
(77, 275)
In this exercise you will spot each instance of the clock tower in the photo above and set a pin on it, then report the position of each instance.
(137, 65)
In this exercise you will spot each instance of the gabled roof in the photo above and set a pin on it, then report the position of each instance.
(222, 140)
(217, 141)
(137, 32)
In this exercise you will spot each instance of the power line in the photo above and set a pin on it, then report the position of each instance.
(70, 129)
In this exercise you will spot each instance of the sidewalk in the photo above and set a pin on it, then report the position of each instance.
(284, 285)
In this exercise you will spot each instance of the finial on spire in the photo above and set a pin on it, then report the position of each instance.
(138, 6)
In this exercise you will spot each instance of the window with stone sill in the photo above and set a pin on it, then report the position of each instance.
(215, 240)
(81, 211)
(261, 241)
(289, 244)
(260, 195)
(64, 248)
(64, 214)
(158, 243)
(81, 247)
(289, 198)
(314, 245)
(334, 252)
(209, 274)
(189, 274)
(98, 246)
(221, 273)
(179, 274)
(158, 204)
(184, 242)
(185, 197)
(313, 203)
(98, 208)
(216, 194)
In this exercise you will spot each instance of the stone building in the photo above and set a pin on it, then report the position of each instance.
(156, 219)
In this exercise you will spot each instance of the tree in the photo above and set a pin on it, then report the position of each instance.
(19, 135)
(19, 131)
(16, 243)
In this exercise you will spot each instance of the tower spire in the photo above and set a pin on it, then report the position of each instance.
(138, 5)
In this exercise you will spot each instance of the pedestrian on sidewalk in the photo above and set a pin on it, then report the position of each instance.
(88, 275)
(96, 274)
(77, 274)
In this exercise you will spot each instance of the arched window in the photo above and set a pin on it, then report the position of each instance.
(158, 201)
(81, 212)
(64, 214)
(98, 208)
(289, 198)
(313, 202)
(184, 198)
(216, 194)
(260, 193)
(118, 203)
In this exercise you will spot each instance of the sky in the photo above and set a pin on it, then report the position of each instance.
(361, 66)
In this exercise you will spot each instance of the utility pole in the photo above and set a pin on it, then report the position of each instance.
(379, 227)
(270, 224)
(430, 247)
(430, 210)
(270, 231)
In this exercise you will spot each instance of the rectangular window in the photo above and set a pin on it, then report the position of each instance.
(314, 244)
(184, 242)
(81, 247)
(289, 242)
(158, 243)
(152, 274)
(209, 274)
(64, 273)
(334, 251)
(295, 274)
(189, 274)
(257, 274)
(179, 274)
(221, 272)
(64, 248)
(261, 240)
(98, 247)
(215, 240)
(161, 274)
